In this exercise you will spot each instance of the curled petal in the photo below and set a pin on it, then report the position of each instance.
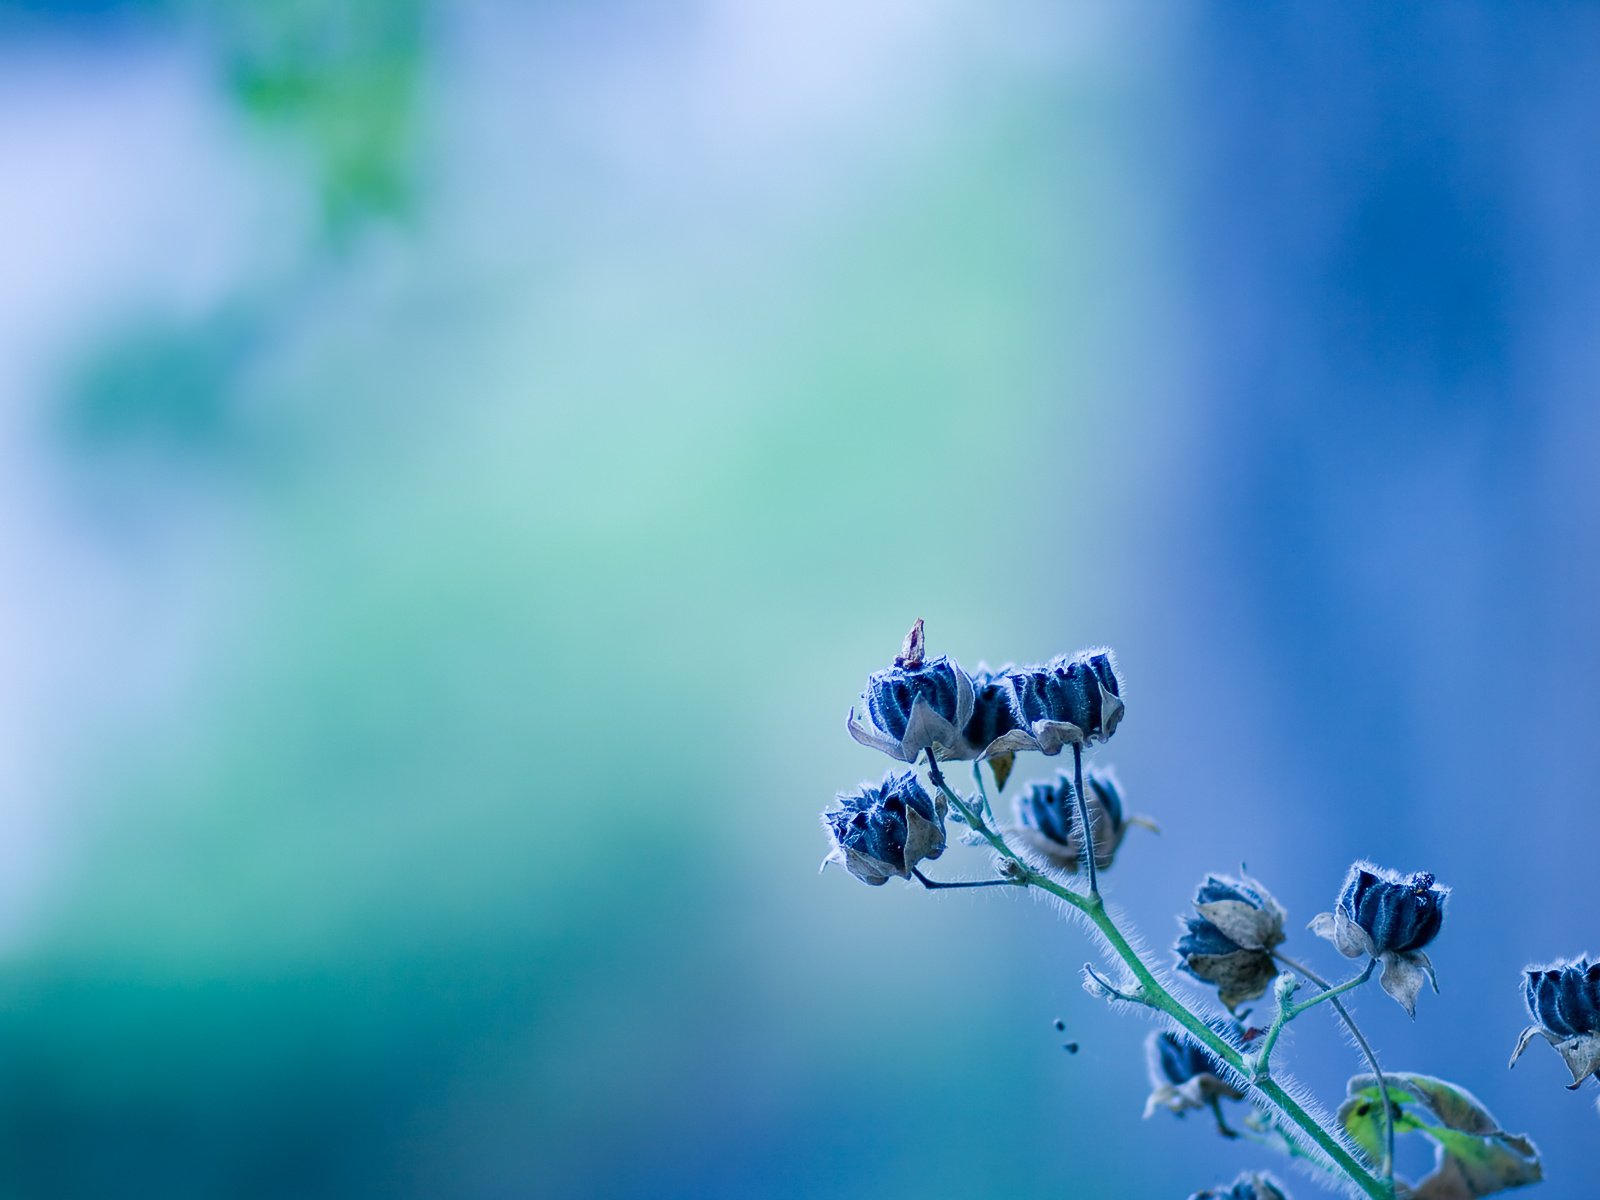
(863, 866)
(1052, 737)
(1403, 977)
(1350, 939)
(1239, 976)
(924, 839)
(870, 737)
(1582, 1056)
(1007, 743)
(1528, 1035)
(1245, 925)
(927, 728)
(1197, 1092)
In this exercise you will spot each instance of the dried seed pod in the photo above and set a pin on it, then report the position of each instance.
(1182, 1075)
(884, 831)
(1076, 700)
(1047, 819)
(1564, 1001)
(1388, 917)
(915, 705)
(1230, 939)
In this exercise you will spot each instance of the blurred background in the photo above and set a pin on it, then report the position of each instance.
(459, 462)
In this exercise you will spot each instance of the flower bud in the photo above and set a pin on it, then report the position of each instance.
(1564, 1001)
(1389, 917)
(885, 830)
(1047, 819)
(1250, 1186)
(1230, 939)
(914, 705)
(1069, 700)
(1182, 1075)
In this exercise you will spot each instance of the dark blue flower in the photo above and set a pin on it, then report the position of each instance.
(1182, 1075)
(1389, 917)
(1047, 819)
(1069, 700)
(995, 727)
(915, 705)
(1397, 913)
(1564, 1001)
(1230, 939)
(1253, 1185)
(885, 831)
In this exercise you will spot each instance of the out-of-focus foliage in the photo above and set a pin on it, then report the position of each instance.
(457, 462)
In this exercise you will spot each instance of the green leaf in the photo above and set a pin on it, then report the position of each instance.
(1474, 1156)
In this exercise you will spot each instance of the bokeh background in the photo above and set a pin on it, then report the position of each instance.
(458, 462)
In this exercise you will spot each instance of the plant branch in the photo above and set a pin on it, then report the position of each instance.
(1288, 1011)
(1083, 820)
(1367, 1052)
(1156, 996)
(935, 884)
(1152, 993)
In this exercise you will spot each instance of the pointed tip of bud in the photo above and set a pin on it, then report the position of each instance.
(913, 649)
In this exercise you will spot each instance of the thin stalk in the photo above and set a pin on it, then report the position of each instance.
(1083, 820)
(1153, 994)
(1156, 996)
(936, 884)
(1288, 1012)
(1367, 1052)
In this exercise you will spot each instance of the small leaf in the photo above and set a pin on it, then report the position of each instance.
(1001, 765)
(1452, 1106)
(1474, 1156)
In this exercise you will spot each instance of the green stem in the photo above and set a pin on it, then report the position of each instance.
(1157, 997)
(1288, 1012)
(1153, 994)
(1086, 830)
(1367, 1052)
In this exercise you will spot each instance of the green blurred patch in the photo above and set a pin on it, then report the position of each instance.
(161, 382)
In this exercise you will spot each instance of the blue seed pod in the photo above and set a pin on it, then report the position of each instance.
(1178, 1060)
(1398, 914)
(996, 724)
(915, 705)
(1252, 1185)
(1182, 1075)
(1388, 917)
(1047, 818)
(885, 831)
(1564, 1001)
(1069, 700)
(1230, 939)
(1565, 998)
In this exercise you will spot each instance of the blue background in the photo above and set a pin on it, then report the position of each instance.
(460, 461)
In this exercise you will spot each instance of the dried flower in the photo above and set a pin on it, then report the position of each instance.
(886, 830)
(995, 728)
(1252, 1185)
(1229, 942)
(1182, 1075)
(1069, 700)
(1389, 917)
(1047, 819)
(1564, 1001)
(915, 705)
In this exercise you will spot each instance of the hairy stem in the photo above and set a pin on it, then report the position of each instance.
(1153, 994)
(1288, 1011)
(1083, 820)
(1368, 1053)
